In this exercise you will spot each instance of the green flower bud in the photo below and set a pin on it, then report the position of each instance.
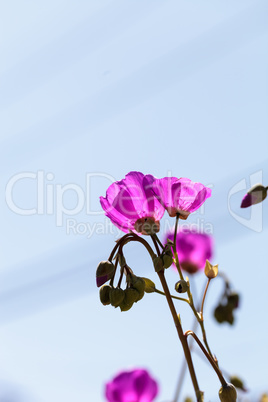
(181, 286)
(158, 264)
(227, 393)
(149, 285)
(237, 382)
(233, 299)
(136, 283)
(124, 306)
(188, 399)
(224, 314)
(105, 294)
(131, 295)
(117, 295)
(105, 271)
(167, 260)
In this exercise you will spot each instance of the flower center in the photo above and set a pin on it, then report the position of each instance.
(147, 226)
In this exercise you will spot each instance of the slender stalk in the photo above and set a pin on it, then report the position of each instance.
(210, 359)
(204, 296)
(158, 241)
(173, 297)
(183, 338)
(175, 247)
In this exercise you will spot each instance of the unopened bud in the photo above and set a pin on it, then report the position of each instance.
(224, 314)
(131, 295)
(117, 295)
(227, 393)
(211, 271)
(237, 382)
(233, 299)
(149, 285)
(158, 264)
(181, 286)
(105, 294)
(105, 271)
(255, 195)
(124, 306)
(136, 283)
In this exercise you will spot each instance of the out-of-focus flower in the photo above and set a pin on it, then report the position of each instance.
(193, 248)
(132, 386)
(255, 195)
(131, 205)
(180, 195)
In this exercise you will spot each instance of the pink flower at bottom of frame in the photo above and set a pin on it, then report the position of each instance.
(132, 386)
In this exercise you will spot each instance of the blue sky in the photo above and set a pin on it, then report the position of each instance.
(89, 91)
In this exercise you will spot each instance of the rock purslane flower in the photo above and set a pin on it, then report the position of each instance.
(180, 195)
(132, 386)
(138, 202)
(193, 248)
(131, 205)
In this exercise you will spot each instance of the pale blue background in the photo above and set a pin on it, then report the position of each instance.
(104, 87)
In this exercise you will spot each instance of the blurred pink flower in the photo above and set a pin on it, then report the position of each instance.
(180, 195)
(131, 205)
(132, 386)
(193, 248)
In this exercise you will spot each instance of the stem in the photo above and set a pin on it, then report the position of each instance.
(210, 359)
(203, 301)
(155, 244)
(158, 241)
(173, 297)
(175, 247)
(183, 338)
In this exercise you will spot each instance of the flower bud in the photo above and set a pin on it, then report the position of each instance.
(131, 295)
(181, 286)
(167, 255)
(149, 285)
(105, 271)
(264, 398)
(124, 306)
(237, 382)
(224, 314)
(136, 283)
(227, 393)
(117, 295)
(105, 294)
(233, 299)
(211, 271)
(158, 264)
(255, 195)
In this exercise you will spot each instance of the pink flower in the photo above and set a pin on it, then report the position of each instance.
(193, 248)
(131, 205)
(180, 195)
(132, 386)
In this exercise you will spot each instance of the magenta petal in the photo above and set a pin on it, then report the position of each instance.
(180, 195)
(101, 280)
(131, 199)
(246, 201)
(193, 248)
(132, 386)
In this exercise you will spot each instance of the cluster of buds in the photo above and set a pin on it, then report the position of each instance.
(228, 303)
(116, 296)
